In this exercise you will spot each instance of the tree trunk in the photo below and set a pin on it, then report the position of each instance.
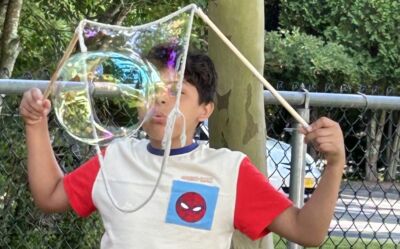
(394, 154)
(116, 13)
(389, 136)
(238, 121)
(9, 42)
(374, 144)
(3, 11)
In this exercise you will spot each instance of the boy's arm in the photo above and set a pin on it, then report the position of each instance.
(45, 176)
(308, 225)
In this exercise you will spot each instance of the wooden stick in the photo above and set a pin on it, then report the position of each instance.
(55, 75)
(284, 103)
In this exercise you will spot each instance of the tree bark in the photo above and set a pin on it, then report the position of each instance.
(394, 154)
(3, 11)
(376, 131)
(238, 121)
(9, 43)
(116, 13)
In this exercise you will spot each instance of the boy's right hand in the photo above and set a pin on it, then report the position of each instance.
(34, 107)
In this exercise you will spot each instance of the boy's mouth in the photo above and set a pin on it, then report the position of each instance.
(159, 118)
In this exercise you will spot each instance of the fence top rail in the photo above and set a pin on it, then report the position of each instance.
(336, 100)
(316, 99)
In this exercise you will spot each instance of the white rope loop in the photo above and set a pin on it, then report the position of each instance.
(169, 127)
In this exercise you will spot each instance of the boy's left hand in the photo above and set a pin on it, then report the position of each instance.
(327, 137)
(308, 225)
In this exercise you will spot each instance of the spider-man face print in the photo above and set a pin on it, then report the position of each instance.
(191, 207)
(192, 204)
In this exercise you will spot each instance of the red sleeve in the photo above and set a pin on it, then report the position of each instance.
(79, 185)
(258, 203)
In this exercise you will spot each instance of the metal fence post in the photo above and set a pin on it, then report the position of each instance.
(1, 101)
(299, 149)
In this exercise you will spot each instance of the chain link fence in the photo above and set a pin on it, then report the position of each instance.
(368, 208)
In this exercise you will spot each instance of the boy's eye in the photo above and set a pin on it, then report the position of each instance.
(169, 87)
(173, 89)
(160, 88)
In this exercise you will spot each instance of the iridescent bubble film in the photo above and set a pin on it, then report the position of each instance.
(112, 84)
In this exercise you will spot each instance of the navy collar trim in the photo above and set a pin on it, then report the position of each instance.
(173, 152)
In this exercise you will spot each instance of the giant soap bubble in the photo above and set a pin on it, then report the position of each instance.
(108, 87)
(112, 73)
(128, 84)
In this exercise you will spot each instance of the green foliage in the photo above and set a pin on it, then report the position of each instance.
(44, 34)
(369, 29)
(297, 57)
(149, 11)
(47, 26)
(22, 225)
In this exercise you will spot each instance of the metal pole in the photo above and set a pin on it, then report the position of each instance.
(1, 102)
(299, 148)
(337, 100)
(317, 99)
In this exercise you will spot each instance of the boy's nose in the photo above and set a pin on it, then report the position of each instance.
(161, 101)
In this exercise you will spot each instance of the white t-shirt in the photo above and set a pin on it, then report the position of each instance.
(204, 194)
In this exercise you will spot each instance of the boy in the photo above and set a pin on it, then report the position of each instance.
(204, 193)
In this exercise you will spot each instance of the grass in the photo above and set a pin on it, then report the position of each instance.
(344, 243)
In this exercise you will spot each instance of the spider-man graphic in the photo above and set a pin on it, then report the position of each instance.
(191, 207)
(192, 204)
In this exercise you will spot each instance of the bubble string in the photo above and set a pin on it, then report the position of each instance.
(174, 62)
(183, 133)
(80, 30)
(166, 142)
(190, 7)
(167, 139)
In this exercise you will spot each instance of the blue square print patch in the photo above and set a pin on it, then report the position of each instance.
(192, 204)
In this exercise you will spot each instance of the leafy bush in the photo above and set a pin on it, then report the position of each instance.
(368, 29)
(22, 225)
(297, 57)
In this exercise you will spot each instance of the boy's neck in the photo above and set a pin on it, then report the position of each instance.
(173, 151)
(175, 144)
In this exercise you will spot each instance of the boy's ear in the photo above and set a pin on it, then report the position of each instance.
(206, 111)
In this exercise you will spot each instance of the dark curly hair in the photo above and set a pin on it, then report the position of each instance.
(199, 70)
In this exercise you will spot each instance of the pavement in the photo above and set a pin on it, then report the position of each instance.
(368, 211)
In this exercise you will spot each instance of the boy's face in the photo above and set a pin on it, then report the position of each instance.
(192, 111)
